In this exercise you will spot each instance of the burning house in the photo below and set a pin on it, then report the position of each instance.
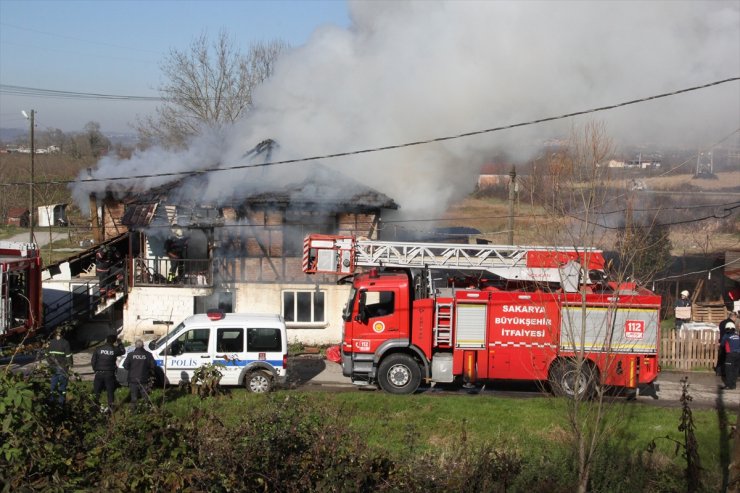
(241, 253)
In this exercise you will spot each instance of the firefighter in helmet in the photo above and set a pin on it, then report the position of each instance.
(731, 320)
(107, 259)
(731, 343)
(682, 302)
(59, 357)
(176, 247)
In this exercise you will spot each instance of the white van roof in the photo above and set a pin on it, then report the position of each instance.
(230, 319)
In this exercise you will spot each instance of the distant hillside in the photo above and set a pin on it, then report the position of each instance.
(13, 135)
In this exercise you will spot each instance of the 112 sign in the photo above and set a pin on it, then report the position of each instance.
(634, 329)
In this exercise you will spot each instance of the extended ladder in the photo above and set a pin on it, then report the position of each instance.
(342, 254)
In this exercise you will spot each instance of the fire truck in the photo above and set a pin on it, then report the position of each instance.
(447, 313)
(20, 288)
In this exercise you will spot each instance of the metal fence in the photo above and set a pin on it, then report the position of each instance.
(165, 272)
(689, 349)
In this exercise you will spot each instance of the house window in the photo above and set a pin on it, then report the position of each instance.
(304, 307)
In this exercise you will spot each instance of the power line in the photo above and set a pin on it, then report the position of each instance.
(57, 94)
(86, 41)
(381, 148)
(723, 213)
(695, 272)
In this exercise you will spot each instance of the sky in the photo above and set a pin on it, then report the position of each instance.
(116, 47)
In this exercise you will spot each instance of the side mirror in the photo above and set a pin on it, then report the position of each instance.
(151, 345)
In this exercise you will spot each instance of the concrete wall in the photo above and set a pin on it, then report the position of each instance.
(145, 305)
(268, 298)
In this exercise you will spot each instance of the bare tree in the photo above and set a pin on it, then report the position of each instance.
(576, 190)
(208, 84)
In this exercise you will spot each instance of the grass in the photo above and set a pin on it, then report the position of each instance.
(531, 427)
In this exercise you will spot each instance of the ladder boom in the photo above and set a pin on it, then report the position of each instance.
(343, 254)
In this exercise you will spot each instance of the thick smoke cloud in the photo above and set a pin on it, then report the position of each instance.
(407, 71)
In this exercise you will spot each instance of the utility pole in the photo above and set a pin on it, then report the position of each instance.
(512, 197)
(30, 183)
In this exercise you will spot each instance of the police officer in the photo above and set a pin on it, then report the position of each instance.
(140, 364)
(59, 357)
(731, 343)
(104, 365)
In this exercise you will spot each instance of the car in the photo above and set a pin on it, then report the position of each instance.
(251, 350)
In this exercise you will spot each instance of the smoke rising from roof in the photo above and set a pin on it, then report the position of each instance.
(406, 71)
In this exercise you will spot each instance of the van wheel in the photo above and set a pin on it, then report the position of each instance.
(567, 381)
(399, 374)
(258, 382)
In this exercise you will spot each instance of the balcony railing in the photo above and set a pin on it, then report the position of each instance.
(172, 273)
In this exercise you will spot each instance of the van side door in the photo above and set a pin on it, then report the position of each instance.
(230, 353)
(189, 351)
(265, 345)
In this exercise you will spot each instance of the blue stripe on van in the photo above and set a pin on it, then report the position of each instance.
(277, 363)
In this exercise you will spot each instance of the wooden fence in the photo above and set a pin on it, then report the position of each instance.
(689, 349)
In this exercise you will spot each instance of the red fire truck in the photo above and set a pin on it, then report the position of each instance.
(20, 288)
(436, 312)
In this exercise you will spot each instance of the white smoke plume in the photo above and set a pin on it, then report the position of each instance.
(407, 71)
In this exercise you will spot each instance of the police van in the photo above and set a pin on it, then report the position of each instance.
(252, 349)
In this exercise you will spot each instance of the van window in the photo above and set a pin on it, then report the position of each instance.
(158, 343)
(193, 341)
(264, 340)
(230, 340)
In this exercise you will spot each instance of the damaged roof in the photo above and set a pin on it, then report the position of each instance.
(325, 189)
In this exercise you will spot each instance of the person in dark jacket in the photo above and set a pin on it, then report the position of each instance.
(719, 370)
(59, 357)
(104, 365)
(107, 260)
(140, 364)
(731, 343)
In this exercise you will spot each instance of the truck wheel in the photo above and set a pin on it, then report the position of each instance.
(399, 374)
(565, 379)
(258, 382)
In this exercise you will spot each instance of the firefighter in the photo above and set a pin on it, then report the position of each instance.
(106, 261)
(682, 302)
(104, 365)
(59, 357)
(719, 370)
(176, 247)
(731, 343)
(140, 364)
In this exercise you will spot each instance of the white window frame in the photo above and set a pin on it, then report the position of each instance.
(302, 324)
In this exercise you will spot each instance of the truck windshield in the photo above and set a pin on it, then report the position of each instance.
(347, 312)
(160, 342)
